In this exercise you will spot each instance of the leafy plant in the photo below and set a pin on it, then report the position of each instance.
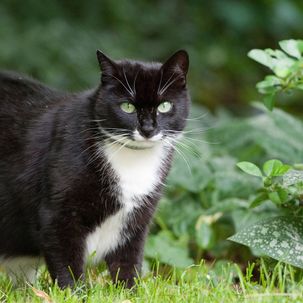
(274, 187)
(287, 66)
(279, 237)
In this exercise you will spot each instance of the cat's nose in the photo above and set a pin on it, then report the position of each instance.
(147, 130)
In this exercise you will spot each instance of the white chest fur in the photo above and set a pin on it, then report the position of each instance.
(138, 172)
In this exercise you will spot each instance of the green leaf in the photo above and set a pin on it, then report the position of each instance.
(262, 197)
(269, 101)
(291, 47)
(280, 238)
(271, 84)
(261, 56)
(274, 197)
(275, 168)
(283, 67)
(276, 53)
(283, 194)
(282, 170)
(250, 168)
(271, 167)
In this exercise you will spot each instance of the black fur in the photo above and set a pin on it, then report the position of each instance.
(53, 190)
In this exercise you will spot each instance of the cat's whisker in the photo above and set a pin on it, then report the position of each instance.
(118, 150)
(98, 142)
(191, 131)
(116, 128)
(88, 129)
(98, 120)
(89, 147)
(99, 134)
(197, 118)
(134, 85)
(125, 77)
(160, 82)
(96, 154)
(186, 146)
(130, 92)
(201, 141)
(117, 141)
(197, 130)
(166, 82)
(94, 157)
(95, 138)
(169, 84)
(180, 153)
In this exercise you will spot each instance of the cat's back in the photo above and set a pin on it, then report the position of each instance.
(22, 101)
(21, 92)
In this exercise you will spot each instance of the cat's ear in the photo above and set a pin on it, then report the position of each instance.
(107, 65)
(178, 62)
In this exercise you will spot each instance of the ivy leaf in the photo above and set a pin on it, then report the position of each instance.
(280, 238)
(291, 47)
(250, 168)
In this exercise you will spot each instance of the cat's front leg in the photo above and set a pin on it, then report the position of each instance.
(125, 262)
(64, 253)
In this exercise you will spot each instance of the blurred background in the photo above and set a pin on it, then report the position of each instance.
(56, 42)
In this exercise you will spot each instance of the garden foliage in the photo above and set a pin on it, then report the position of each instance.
(281, 237)
(287, 68)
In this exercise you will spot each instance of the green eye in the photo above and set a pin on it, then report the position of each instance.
(165, 107)
(128, 107)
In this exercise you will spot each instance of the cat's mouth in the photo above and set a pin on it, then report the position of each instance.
(132, 140)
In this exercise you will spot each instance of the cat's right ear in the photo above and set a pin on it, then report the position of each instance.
(107, 65)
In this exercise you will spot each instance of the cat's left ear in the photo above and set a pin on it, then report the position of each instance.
(178, 62)
(107, 65)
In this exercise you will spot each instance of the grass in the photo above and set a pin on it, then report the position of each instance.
(201, 283)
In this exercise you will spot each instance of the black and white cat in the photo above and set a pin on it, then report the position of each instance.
(81, 174)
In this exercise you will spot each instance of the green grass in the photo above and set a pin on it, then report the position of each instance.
(220, 282)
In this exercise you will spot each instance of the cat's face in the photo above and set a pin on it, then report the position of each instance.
(140, 104)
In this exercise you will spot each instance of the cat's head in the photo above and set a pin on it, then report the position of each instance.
(140, 104)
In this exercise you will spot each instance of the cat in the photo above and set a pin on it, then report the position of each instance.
(81, 173)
